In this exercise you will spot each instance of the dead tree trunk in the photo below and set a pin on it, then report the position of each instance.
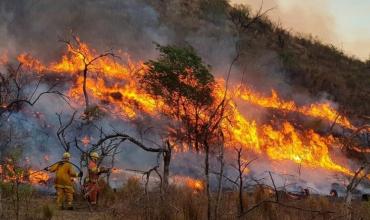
(241, 172)
(166, 165)
(348, 204)
(206, 172)
(219, 189)
(356, 180)
(240, 166)
(84, 89)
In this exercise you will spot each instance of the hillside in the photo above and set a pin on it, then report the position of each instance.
(303, 62)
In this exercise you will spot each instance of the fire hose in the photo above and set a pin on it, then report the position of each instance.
(46, 169)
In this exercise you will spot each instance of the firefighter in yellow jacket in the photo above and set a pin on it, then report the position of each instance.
(64, 173)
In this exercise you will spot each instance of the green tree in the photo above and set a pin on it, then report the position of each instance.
(184, 83)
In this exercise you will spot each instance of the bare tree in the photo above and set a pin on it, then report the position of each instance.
(241, 168)
(61, 132)
(14, 90)
(220, 176)
(357, 178)
(166, 164)
(116, 139)
(75, 48)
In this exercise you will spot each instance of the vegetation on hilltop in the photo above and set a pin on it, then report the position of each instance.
(307, 62)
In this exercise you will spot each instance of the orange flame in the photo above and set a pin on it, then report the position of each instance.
(116, 86)
(10, 174)
(318, 110)
(194, 184)
(38, 177)
(286, 143)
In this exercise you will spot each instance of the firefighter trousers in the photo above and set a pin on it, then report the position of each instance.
(92, 189)
(64, 194)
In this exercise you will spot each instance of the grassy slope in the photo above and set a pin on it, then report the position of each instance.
(307, 62)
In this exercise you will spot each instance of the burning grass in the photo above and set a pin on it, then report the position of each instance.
(117, 86)
(11, 173)
(323, 110)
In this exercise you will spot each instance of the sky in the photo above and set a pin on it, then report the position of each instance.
(343, 23)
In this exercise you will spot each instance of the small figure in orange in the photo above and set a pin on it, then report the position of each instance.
(92, 181)
(63, 180)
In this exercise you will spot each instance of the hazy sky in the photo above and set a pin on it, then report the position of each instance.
(343, 23)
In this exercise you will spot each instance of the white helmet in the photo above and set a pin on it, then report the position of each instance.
(66, 155)
(94, 155)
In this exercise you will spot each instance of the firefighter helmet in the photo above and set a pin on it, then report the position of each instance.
(94, 155)
(66, 155)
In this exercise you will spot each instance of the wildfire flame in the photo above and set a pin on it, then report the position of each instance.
(124, 96)
(38, 177)
(194, 184)
(10, 174)
(116, 86)
(318, 110)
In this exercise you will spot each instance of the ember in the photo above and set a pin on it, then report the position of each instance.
(85, 140)
(116, 170)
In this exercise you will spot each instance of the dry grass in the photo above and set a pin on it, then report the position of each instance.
(181, 203)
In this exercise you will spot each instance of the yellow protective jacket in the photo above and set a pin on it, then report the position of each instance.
(63, 174)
